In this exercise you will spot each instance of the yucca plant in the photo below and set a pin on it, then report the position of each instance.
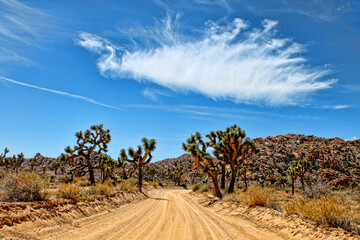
(92, 141)
(203, 160)
(140, 157)
(232, 147)
(293, 174)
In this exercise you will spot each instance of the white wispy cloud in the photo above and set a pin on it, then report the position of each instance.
(337, 107)
(20, 26)
(228, 62)
(86, 99)
(153, 94)
(323, 10)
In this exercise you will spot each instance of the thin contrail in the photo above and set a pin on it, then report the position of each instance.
(86, 99)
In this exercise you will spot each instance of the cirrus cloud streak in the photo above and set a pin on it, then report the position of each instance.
(228, 61)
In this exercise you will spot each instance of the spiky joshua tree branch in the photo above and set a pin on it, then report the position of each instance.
(79, 157)
(140, 157)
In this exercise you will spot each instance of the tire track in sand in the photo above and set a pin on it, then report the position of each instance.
(168, 214)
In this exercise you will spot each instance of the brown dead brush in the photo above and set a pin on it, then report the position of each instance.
(326, 211)
(69, 191)
(25, 187)
(258, 196)
(106, 189)
(128, 185)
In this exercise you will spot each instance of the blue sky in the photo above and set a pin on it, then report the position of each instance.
(165, 69)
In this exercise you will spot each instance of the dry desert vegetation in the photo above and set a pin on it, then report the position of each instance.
(227, 186)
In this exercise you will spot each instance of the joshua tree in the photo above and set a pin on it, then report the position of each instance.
(233, 148)
(137, 158)
(18, 161)
(302, 167)
(3, 156)
(203, 160)
(152, 172)
(12, 163)
(281, 181)
(127, 169)
(242, 173)
(33, 163)
(56, 165)
(293, 173)
(90, 142)
(107, 165)
(178, 173)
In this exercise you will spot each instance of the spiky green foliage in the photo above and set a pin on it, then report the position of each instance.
(177, 174)
(139, 157)
(232, 147)
(242, 173)
(126, 169)
(203, 160)
(33, 163)
(80, 156)
(302, 166)
(3, 159)
(107, 166)
(281, 181)
(13, 163)
(152, 172)
(293, 173)
(3, 155)
(56, 165)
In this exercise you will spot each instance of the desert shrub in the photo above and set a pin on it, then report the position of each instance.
(257, 196)
(25, 187)
(318, 189)
(93, 190)
(69, 191)
(128, 184)
(326, 211)
(106, 189)
(196, 187)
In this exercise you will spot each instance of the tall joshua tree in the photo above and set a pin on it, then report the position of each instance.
(302, 166)
(233, 148)
(293, 173)
(203, 160)
(91, 141)
(140, 157)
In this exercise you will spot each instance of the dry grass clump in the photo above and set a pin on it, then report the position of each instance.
(69, 191)
(24, 187)
(257, 196)
(106, 189)
(128, 185)
(200, 188)
(326, 211)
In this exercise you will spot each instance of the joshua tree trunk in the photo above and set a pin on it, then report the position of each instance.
(222, 177)
(91, 172)
(245, 180)
(140, 177)
(217, 190)
(232, 184)
(302, 184)
(292, 186)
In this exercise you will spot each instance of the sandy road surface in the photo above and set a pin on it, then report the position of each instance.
(168, 214)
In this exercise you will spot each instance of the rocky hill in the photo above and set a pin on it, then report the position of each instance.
(333, 160)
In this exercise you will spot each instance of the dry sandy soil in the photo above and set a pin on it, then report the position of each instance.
(167, 214)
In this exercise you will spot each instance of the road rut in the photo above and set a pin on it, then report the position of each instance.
(167, 214)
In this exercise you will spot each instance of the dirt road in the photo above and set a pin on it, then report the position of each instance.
(168, 214)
